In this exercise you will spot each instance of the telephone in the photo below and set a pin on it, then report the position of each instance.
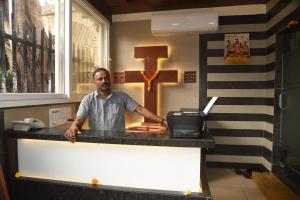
(27, 124)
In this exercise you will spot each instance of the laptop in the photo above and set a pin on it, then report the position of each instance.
(188, 123)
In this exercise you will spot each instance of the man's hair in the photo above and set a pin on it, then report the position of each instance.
(101, 69)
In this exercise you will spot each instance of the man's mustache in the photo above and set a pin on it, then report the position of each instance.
(104, 85)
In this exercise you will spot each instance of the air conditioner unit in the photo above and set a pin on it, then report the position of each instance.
(185, 23)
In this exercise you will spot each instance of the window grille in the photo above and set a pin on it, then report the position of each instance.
(27, 53)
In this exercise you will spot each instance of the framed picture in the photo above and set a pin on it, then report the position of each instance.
(237, 48)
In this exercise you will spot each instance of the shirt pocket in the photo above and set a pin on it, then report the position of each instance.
(114, 109)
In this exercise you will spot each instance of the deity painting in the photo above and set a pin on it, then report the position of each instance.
(237, 49)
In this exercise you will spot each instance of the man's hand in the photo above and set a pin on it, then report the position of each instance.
(164, 124)
(72, 132)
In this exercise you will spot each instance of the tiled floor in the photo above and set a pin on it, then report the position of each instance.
(226, 185)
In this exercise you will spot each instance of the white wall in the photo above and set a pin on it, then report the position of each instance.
(40, 112)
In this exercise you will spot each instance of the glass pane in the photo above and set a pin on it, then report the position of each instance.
(29, 63)
(289, 152)
(291, 115)
(87, 48)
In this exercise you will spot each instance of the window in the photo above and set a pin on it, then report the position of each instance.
(36, 50)
(89, 46)
(29, 45)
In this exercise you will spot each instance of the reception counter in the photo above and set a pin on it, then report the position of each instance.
(107, 165)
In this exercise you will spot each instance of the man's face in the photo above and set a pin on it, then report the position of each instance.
(102, 81)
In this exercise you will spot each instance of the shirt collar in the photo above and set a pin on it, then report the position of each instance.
(98, 95)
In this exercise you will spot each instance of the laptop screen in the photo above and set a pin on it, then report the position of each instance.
(209, 105)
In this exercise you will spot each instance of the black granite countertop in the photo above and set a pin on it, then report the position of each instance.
(117, 137)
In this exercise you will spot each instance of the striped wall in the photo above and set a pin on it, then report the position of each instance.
(242, 120)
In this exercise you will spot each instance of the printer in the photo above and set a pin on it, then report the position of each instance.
(188, 123)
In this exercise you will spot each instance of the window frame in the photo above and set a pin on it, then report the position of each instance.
(63, 62)
(92, 11)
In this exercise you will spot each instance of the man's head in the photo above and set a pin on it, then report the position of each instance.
(102, 81)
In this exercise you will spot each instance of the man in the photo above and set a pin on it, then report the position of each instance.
(105, 109)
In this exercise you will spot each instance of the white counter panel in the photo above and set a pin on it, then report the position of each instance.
(150, 167)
